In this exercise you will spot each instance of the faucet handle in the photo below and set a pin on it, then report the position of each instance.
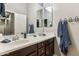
(17, 37)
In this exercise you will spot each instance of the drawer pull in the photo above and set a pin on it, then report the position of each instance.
(42, 50)
(42, 44)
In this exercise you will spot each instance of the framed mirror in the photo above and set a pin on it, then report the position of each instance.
(48, 16)
(45, 17)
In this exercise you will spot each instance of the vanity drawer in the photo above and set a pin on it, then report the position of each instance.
(41, 51)
(28, 50)
(42, 44)
(50, 41)
(34, 53)
(14, 53)
(42, 54)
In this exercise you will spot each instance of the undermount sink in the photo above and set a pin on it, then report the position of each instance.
(17, 42)
(42, 34)
(23, 41)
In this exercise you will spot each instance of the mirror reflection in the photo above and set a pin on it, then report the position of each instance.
(45, 16)
(39, 15)
(48, 15)
(7, 24)
(39, 18)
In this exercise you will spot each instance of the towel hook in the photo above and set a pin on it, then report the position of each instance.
(70, 19)
(76, 18)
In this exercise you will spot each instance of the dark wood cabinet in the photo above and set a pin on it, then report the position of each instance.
(28, 51)
(14, 53)
(41, 48)
(41, 51)
(49, 47)
(41, 44)
(47, 53)
(45, 48)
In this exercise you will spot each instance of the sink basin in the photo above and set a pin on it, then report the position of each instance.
(17, 42)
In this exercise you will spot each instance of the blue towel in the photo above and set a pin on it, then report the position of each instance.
(31, 30)
(59, 31)
(2, 9)
(64, 36)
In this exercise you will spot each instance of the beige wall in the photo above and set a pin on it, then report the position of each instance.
(16, 7)
(74, 33)
(65, 10)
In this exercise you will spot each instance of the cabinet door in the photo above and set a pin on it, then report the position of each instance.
(47, 52)
(41, 51)
(51, 47)
(41, 44)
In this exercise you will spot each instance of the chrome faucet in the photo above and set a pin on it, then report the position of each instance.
(15, 38)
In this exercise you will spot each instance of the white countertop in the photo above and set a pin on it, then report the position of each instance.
(22, 43)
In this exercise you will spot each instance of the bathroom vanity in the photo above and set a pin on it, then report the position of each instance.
(38, 21)
(45, 48)
(37, 46)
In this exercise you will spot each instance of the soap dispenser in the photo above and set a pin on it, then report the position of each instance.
(24, 34)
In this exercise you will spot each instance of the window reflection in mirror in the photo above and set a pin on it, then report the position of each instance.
(7, 24)
(39, 20)
(45, 22)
